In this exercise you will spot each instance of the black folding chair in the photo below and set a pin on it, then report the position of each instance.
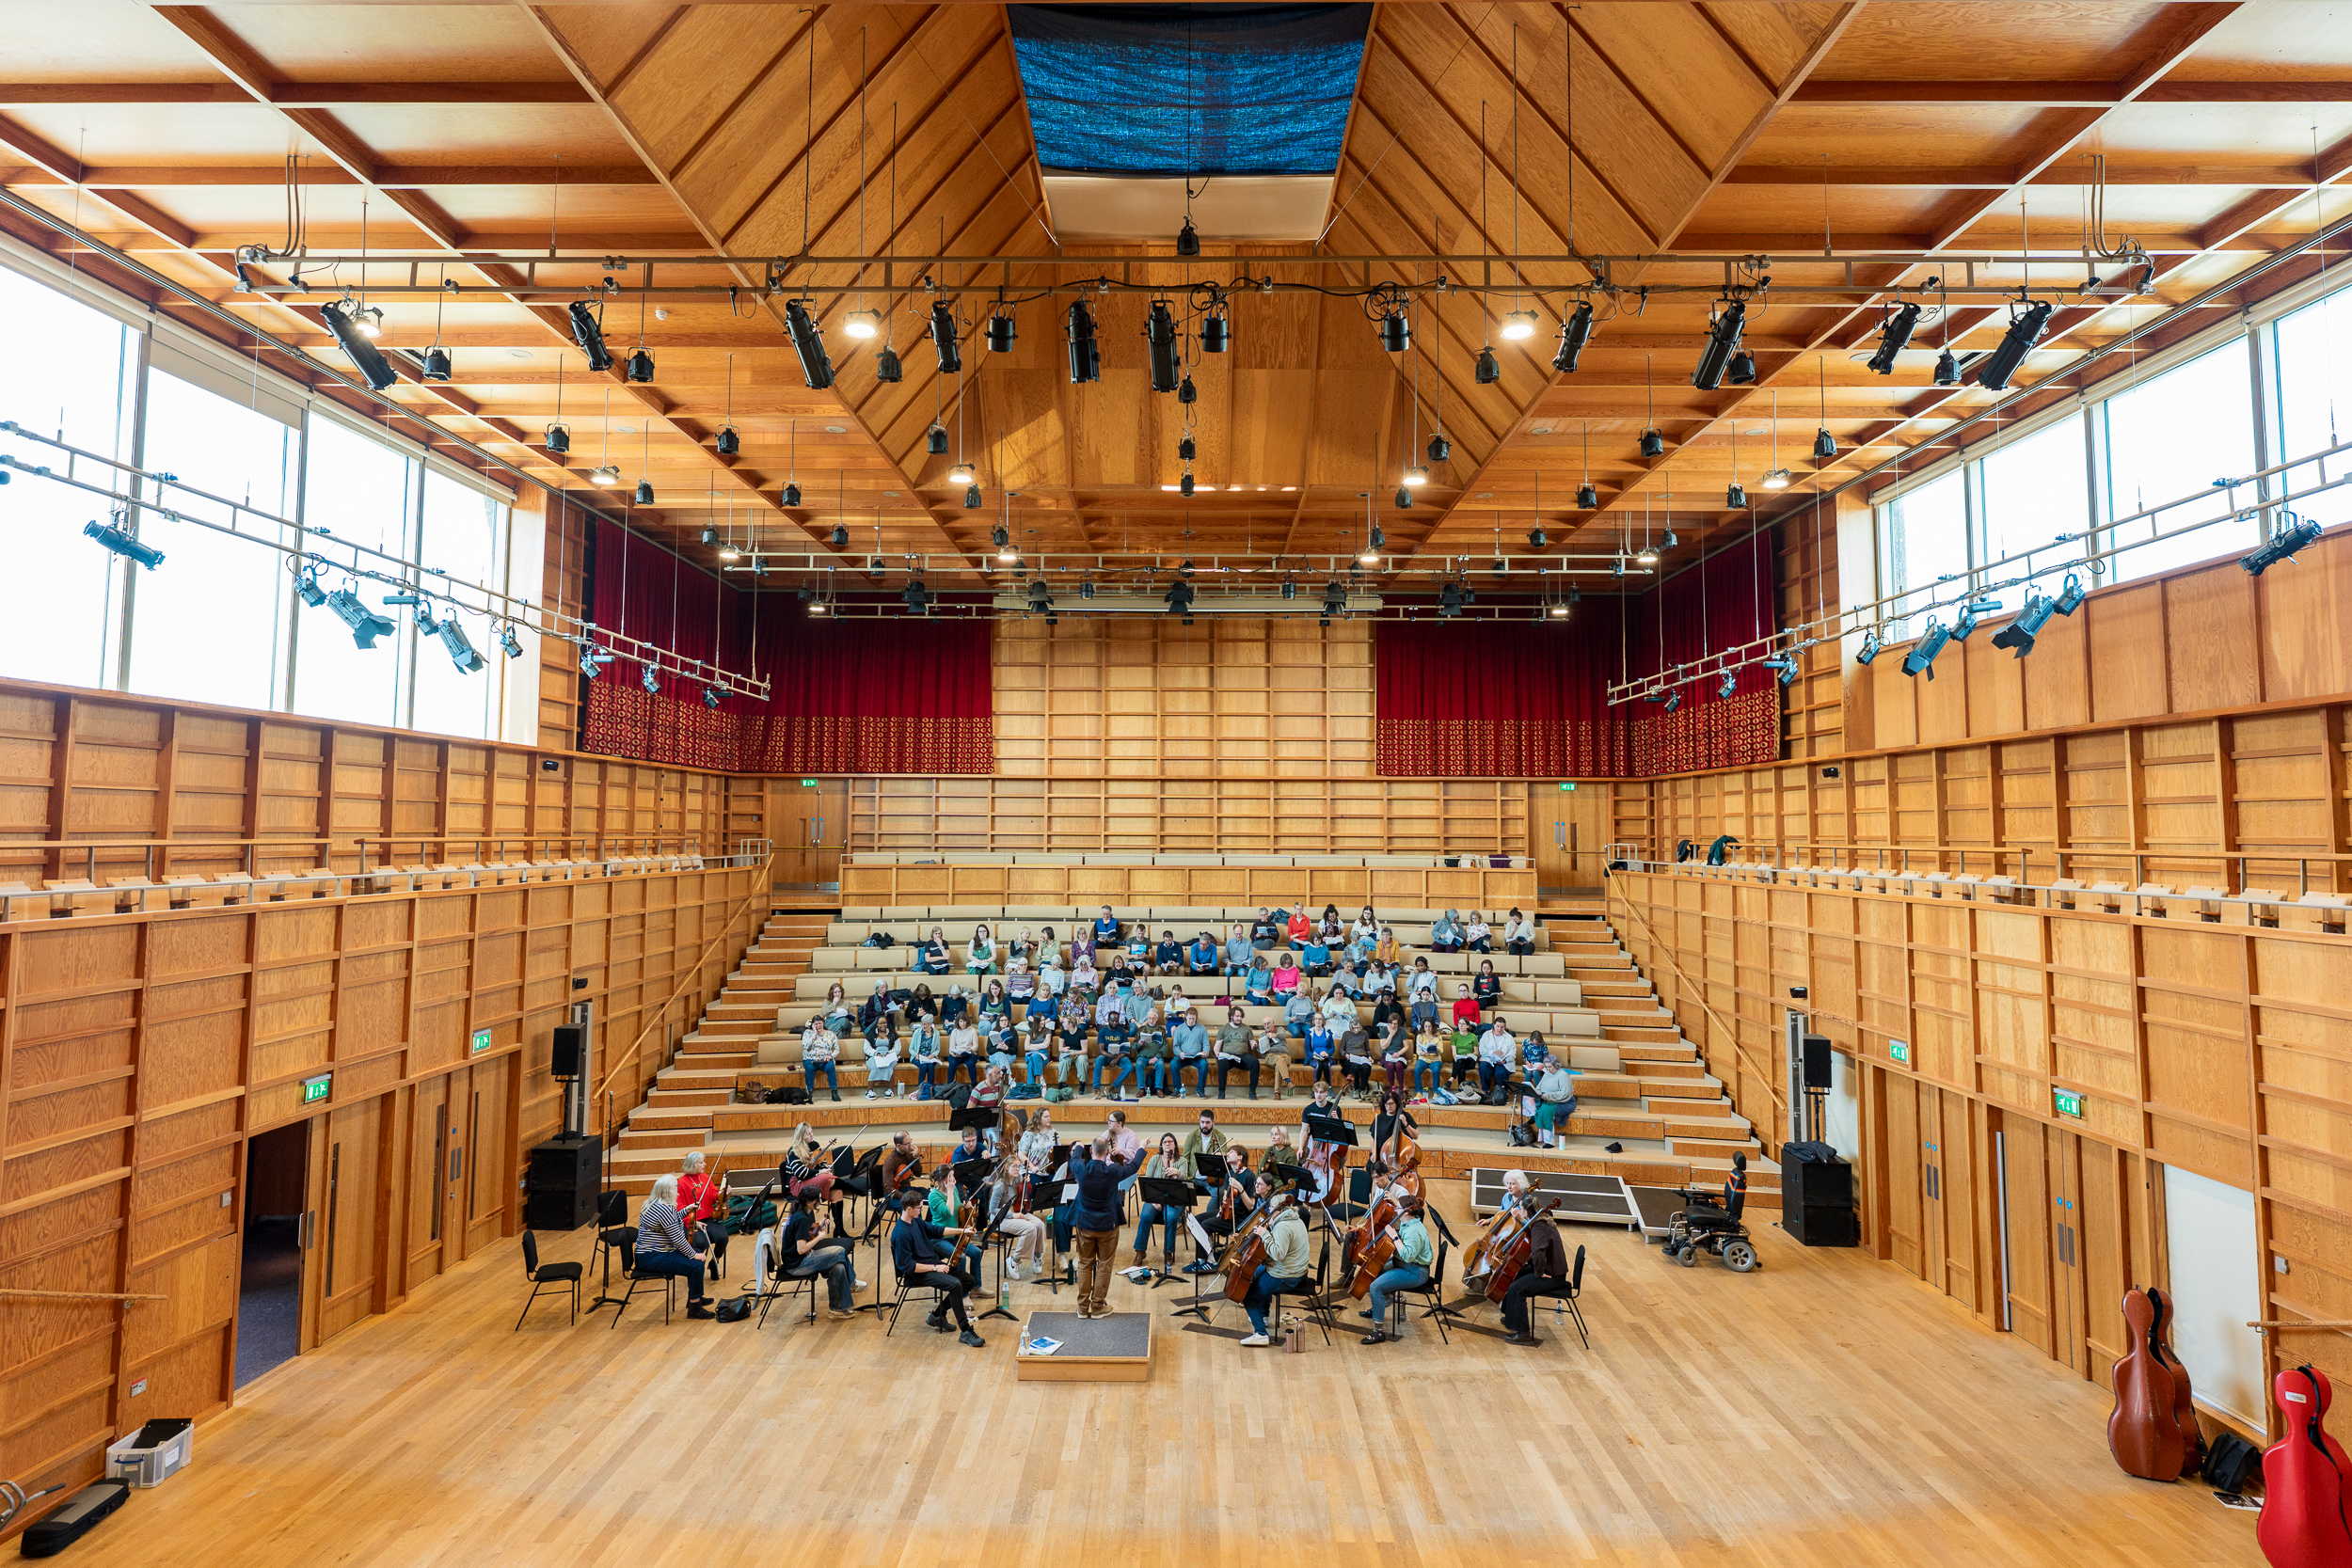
(544, 1276)
(629, 1271)
(1432, 1294)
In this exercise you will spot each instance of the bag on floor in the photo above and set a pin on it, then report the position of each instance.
(1022, 1091)
(789, 1095)
(733, 1310)
(2230, 1461)
(1521, 1136)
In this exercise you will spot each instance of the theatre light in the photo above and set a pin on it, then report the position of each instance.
(862, 323)
(558, 440)
(589, 334)
(1894, 336)
(710, 696)
(1870, 649)
(2025, 330)
(640, 366)
(119, 540)
(1489, 371)
(510, 645)
(1439, 449)
(593, 659)
(1575, 333)
(349, 324)
(1396, 332)
(887, 366)
(1729, 685)
(1783, 666)
(1743, 370)
(971, 501)
(650, 678)
(307, 585)
(792, 496)
(365, 624)
(2069, 596)
(816, 364)
(2300, 533)
(1674, 700)
(1216, 335)
(1519, 324)
(1921, 659)
(1653, 442)
(1040, 597)
(461, 650)
(1188, 238)
(1085, 358)
(943, 338)
(728, 443)
(1537, 539)
(1736, 496)
(917, 597)
(1587, 497)
(1776, 480)
(644, 492)
(1450, 600)
(1159, 339)
(1001, 332)
(437, 364)
(840, 537)
(1722, 341)
(1971, 616)
(1946, 369)
(2019, 634)
(935, 441)
(1179, 598)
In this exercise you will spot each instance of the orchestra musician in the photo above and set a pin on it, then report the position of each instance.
(1407, 1270)
(919, 1252)
(1100, 1178)
(1285, 1265)
(1203, 1140)
(1547, 1271)
(1169, 1164)
(808, 1244)
(805, 1170)
(1233, 1195)
(700, 1202)
(1279, 1150)
(1000, 1208)
(1390, 1125)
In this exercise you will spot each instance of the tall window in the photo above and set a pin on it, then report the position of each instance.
(1926, 540)
(2170, 437)
(359, 491)
(2036, 491)
(462, 540)
(66, 610)
(210, 625)
(2313, 388)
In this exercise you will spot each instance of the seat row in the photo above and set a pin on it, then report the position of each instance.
(2159, 900)
(64, 897)
(1307, 862)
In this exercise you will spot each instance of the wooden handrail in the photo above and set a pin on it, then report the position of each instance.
(760, 889)
(2302, 1323)
(82, 1295)
(1770, 1079)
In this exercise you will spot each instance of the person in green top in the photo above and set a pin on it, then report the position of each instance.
(1155, 1055)
(1407, 1270)
(1465, 1055)
(1203, 1143)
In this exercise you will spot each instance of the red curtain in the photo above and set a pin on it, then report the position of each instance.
(1528, 699)
(897, 694)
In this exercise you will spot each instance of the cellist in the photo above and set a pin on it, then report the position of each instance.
(1407, 1270)
(1284, 1268)
(1547, 1271)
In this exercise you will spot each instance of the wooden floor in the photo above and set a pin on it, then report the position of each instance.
(1825, 1411)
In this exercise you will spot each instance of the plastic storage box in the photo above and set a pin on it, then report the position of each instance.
(152, 1455)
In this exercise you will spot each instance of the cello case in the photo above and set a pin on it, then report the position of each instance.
(2183, 1407)
(2142, 1432)
(2305, 1478)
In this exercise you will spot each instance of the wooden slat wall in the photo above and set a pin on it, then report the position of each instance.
(1186, 887)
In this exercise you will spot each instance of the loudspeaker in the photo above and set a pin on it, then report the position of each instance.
(562, 1181)
(1817, 1195)
(1817, 1061)
(569, 1057)
(1823, 1226)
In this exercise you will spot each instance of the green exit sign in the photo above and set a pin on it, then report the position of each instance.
(1569, 787)
(316, 1089)
(808, 784)
(2068, 1102)
(481, 1040)
(1900, 1050)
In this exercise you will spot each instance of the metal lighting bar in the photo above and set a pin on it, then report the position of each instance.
(413, 577)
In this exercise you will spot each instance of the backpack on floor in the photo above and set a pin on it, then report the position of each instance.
(790, 1095)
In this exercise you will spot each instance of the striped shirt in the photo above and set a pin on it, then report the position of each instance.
(658, 1230)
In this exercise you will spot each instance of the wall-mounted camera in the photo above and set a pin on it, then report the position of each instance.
(1829, 772)
(548, 765)
(1796, 993)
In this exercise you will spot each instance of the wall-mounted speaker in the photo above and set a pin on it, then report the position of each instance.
(1817, 1061)
(569, 1058)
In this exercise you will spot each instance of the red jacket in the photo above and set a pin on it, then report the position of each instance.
(697, 1197)
(1466, 1010)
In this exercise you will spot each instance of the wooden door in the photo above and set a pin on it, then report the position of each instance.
(2066, 1247)
(1954, 1196)
(349, 1226)
(2111, 1183)
(1905, 1177)
(486, 1181)
(2025, 1208)
(1568, 829)
(430, 1193)
(811, 824)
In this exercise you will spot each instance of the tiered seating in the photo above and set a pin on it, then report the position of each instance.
(1643, 1085)
(67, 897)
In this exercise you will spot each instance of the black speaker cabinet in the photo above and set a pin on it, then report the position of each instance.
(1823, 1226)
(1817, 1196)
(569, 1059)
(1817, 1061)
(561, 1193)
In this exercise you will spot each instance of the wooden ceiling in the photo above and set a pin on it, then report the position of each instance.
(740, 130)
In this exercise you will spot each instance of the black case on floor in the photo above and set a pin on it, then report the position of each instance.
(71, 1519)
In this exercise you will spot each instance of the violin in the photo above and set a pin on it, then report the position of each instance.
(2143, 1434)
(1505, 1256)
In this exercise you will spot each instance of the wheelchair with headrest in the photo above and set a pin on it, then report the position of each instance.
(1705, 1224)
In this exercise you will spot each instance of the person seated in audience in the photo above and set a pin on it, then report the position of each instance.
(663, 1246)
(1084, 980)
(1298, 1010)
(991, 1092)
(1237, 951)
(924, 1047)
(979, 957)
(1475, 936)
(1115, 1062)
(1204, 955)
(964, 1052)
(917, 1250)
(1389, 950)
(995, 1005)
(820, 1049)
(1051, 981)
(1168, 957)
(1315, 957)
(1286, 975)
(1118, 976)
(1036, 1041)
(1465, 1011)
(1366, 925)
(837, 1012)
(1003, 1040)
(1465, 1043)
(1322, 1047)
(931, 954)
(1071, 1029)
(1233, 1051)
(1423, 1006)
(803, 1247)
(1379, 981)
(1356, 1056)
(1049, 946)
(1486, 986)
(877, 1014)
(1519, 935)
(1396, 1057)
(1153, 1052)
(1445, 933)
(1497, 1051)
(1428, 1058)
(1020, 983)
(1274, 1059)
(1266, 932)
(881, 1065)
(1022, 946)
(1110, 1015)
(1339, 1008)
(922, 1004)
(1140, 948)
(1192, 1051)
(1533, 1054)
(1106, 928)
(954, 1008)
(1361, 947)
(1172, 1005)
(1257, 981)
(1555, 1101)
(1419, 981)
(1297, 926)
(1386, 1010)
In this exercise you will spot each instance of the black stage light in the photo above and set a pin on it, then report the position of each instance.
(1736, 497)
(1377, 538)
(943, 338)
(1653, 443)
(2019, 634)
(972, 496)
(887, 366)
(1159, 337)
(1450, 600)
(1440, 450)
(1575, 333)
(2025, 330)
(728, 443)
(1216, 335)
(437, 364)
(1188, 238)
(1946, 369)
(1086, 356)
(1290, 588)
(640, 366)
(589, 335)
(2070, 596)
(1179, 598)
(710, 536)
(710, 696)
(644, 492)
(365, 624)
(816, 364)
(840, 537)
(1040, 597)
(1535, 538)
(1396, 332)
(373, 367)
(1824, 445)
(650, 679)
(1587, 498)
(1186, 450)
(558, 440)
(1334, 597)
(1743, 370)
(1894, 336)
(1000, 537)
(461, 649)
(792, 496)
(120, 540)
(1404, 496)
(1870, 649)
(1183, 485)
(1921, 659)
(2299, 535)
(1186, 392)
(1085, 589)
(917, 597)
(1001, 335)
(935, 441)
(1674, 700)
(508, 642)
(1489, 371)
(1722, 341)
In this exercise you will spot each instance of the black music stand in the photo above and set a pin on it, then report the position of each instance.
(1166, 1192)
(992, 1235)
(1056, 1175)
(1196, 1305)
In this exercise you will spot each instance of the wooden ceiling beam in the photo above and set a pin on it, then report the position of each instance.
(2003, 177)
(64, 169)
(290, 95)
(389, 176)
(2067, 95)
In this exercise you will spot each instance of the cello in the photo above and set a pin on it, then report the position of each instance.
(1506, 1222)
(2305, 1478)
(1248, 1253)
(1506, 1257)
(2143, 1434)
(1379, 1215)
(2183, 1407)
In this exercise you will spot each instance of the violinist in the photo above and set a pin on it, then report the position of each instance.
(1284, 1268)
(1279, 1150)
(1203, 1147)
(1407, 1270)
(808, 1246)
(897, 1161)
(917, 1251)
(1232, 1195)
(806, 1171)
(1547, 1270)
(999, 1208)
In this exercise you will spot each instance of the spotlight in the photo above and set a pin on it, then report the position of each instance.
(1667, 540)
(1559, 611)
(2069, 596)
(368, 321)
(972, 498)
(372, 366)
(1186, 450)
(558, 440)
(589, 335)
(1921, 658)
(1488, 372)
(1188, 238)
(307, 584)
(1653, 443)
(728, 553)
(2025, 330)
(1946, 369)
(1778, 479)
(1377, 538)
(1783, 666)
(1183, 485)
(1000, 537)
(1741, 370)
(1403, 498)
(1870, 649)
(1894, 336)
(604, 473)
(861, 324)
(2300, 533)
(650, 679)
(1587, 498)
(2019, 634)
(959, 474)
(917, 597)
(120, 540)
(1439, 449)
(1722, 341)
(436, 364)
(1159, 337)
(1646, 557)
(1736, 497)
(1535, 538)
(510, 645)
(1216, 335)
(1416, 476)
(1334, 597)
(887, 366)
(593, 659)
(1730, 684)
(1290, 588)
(1185, 391)
(1040, 597)
(1396, 332)
(644, 492)
(365, 624)
(1450, 600)
(427, 624)
(640, 366)
(943, 338)
(840, 537)
(1574, 333)
(1674, 700)
(935, 441)
(760, 565)
(1519, 324)
(710, 696)
(1085, 358)
(792, 496)
(461, 649)
(1971, 616)
(1824, 444)
(1000, 332)
(1179, 598)
(1085, 589)
(816, 364)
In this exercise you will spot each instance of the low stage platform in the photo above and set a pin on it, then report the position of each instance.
(1117, 1349)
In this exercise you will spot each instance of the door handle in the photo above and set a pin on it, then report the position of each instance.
(303, 1231)
(1559, 835)
(820, 830)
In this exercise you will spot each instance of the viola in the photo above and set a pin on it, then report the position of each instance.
(2306, 1479)
(2143, 1434)
(2183, 1407)
(1507, 1260)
